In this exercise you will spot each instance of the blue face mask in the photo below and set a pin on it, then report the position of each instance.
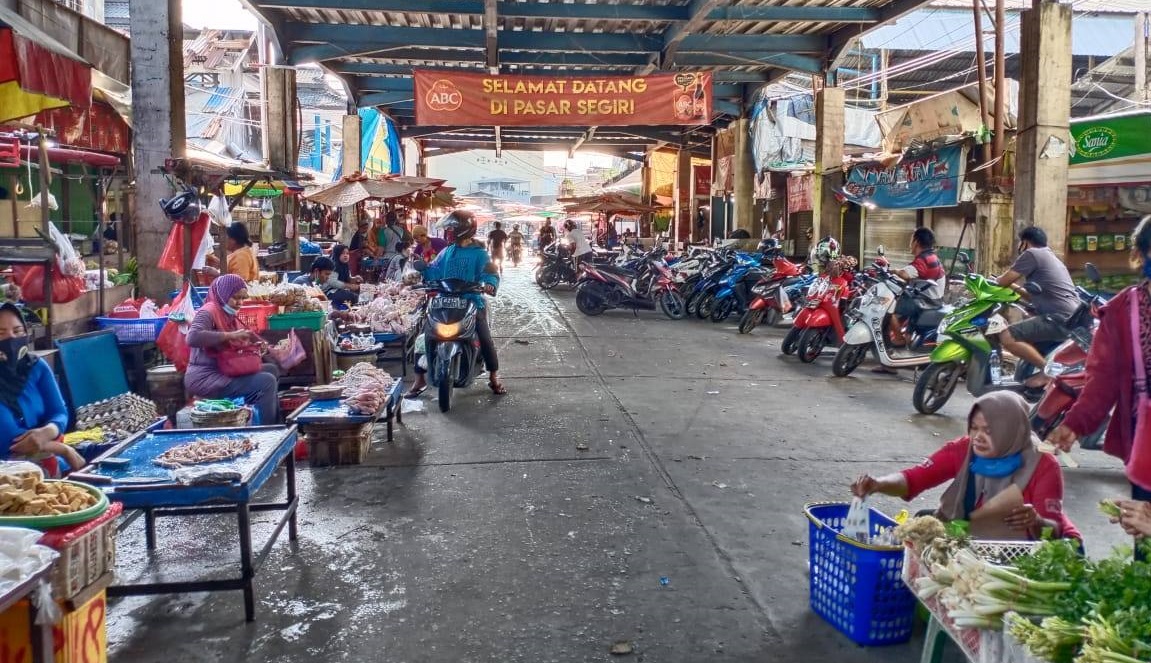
(229, 310)
(996, 468)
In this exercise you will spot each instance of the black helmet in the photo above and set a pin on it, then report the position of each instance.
(184, 207)
(459, 225)
(768, 245)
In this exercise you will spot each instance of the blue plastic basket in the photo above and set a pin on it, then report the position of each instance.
(856, 587)
(133, 330)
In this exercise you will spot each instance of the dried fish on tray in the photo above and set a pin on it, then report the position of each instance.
(205, 451)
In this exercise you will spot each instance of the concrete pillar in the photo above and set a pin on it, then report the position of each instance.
(743, 166)
(995, 228)
(283, 151)
(351, 131)
(683, 175)
(158, 129)
(829, 137)
(645, 195)
(1043, 141)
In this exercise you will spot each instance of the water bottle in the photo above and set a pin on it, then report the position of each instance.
(996, 369)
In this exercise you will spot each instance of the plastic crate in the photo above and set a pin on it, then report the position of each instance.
(133, 330)
(313, 320)
(87, 552)
(856, 587)
(255, 316)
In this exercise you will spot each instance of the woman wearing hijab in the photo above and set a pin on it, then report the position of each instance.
(998, 452)
(32, 411)
(424, 247)
(214, 327)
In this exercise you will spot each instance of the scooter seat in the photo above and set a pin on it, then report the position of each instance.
(622, 271)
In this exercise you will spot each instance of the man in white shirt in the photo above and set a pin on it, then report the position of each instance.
(581, 249)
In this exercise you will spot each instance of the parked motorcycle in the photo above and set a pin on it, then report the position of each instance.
(875, 319)
(740, 267)
(774, 294)
(720, 262)
(452, 343)
(555, 267)
(820, 323)
(603, 287)
(735, 292)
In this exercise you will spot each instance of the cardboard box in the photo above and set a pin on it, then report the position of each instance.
(80, 636)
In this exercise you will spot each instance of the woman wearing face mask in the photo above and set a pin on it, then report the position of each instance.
(215, 326)
(1111, 377)
(997, 453)
(32, 411)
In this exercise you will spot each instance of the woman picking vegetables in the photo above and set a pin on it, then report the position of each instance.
(1111, 377)
(215, 328)
(997, 452)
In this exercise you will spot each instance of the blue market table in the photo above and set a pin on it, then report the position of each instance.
(148, 489)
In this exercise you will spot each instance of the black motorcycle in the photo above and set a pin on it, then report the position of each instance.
(555, 267)
(452, 345)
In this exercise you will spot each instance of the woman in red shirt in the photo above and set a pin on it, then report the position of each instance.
(997, 452)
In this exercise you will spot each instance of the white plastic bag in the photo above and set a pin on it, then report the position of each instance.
(857, 525)
(218, 210)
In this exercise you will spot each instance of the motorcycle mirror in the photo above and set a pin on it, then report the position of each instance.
(1093, 274)
(880, 250)
(963, 258)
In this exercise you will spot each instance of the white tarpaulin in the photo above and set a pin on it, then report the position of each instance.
(783, 132)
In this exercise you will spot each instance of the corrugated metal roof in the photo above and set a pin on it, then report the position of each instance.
(221, 100)
(1099, 35)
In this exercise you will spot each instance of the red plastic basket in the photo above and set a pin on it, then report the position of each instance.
(255, 316)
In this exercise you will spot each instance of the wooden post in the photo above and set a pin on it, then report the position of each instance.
(884, 88)
(981, 68)
(1000, 88)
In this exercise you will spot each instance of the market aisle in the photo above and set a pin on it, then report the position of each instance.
(490, 535)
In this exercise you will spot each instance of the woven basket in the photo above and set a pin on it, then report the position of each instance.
(337, 444)
(227, 419)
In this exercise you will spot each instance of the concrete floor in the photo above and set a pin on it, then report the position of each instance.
(485, 535)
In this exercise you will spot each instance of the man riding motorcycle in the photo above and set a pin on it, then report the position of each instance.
(926, 268)
(515, 243)
(1054, 304)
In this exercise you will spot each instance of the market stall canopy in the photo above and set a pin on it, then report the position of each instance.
(203, 168)
(262, 188)
(357, 188)
(37, 72)
(608, 203)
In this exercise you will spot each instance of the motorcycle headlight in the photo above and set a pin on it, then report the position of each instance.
(1054, 370)
(447, 330)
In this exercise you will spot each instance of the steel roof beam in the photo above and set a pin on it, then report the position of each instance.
(675, 35)
(767, 42)
(840, 41)
(385, 36)
(385, 69)
(598, 11)
(802, 63)
(407, 85)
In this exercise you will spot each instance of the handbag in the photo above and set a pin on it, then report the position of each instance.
(236, 361)
(1139, 462)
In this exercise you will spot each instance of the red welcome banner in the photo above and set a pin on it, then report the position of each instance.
(466, 99)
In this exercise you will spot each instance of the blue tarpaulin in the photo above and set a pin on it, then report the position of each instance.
(931, 179)
(380, 152)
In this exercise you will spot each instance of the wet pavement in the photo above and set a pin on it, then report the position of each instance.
(643, 482)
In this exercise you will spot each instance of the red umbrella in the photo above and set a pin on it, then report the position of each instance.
(37, 72)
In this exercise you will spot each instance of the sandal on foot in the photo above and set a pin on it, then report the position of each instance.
(415, 393)
(497, 388)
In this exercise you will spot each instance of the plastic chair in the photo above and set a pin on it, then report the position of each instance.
(92, 369)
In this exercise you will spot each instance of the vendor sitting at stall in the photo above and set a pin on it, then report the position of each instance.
(424, 247)
(214, 327)
(33, 417)
(241, 256)
(323, 277)
(998, 452)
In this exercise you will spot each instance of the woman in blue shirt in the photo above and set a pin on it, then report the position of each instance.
(32, 412)
(466, 260)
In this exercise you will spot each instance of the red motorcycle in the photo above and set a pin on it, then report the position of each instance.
(820, 323)
(1067, 366)
(771, 301)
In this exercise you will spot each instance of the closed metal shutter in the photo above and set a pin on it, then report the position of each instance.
(892, 228)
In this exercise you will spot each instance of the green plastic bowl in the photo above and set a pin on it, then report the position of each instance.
(65, 519)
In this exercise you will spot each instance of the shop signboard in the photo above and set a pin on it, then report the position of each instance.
(1113, 137)
(471, 99)
(702, 175)
(799, 193)
(923, 181)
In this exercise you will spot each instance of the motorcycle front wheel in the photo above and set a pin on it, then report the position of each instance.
(672, 305)
(447, 382)
(703, 309)
(791, 341)
(750, 320)
(547, 278)
(811, 343)
(934, 387)
(722, 309)
(848, 358)
(589, 303)
(693, 300)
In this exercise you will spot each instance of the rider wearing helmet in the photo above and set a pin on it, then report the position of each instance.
(183, 207)
(465, 259)
(824, 252)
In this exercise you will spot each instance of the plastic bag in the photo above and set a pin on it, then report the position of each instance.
(127, 309)
(218, 210)
(290, 354)
(206, 475)
(857, 525)
(420, 345)
(64, 288)
(173, 338)
(172, 257)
